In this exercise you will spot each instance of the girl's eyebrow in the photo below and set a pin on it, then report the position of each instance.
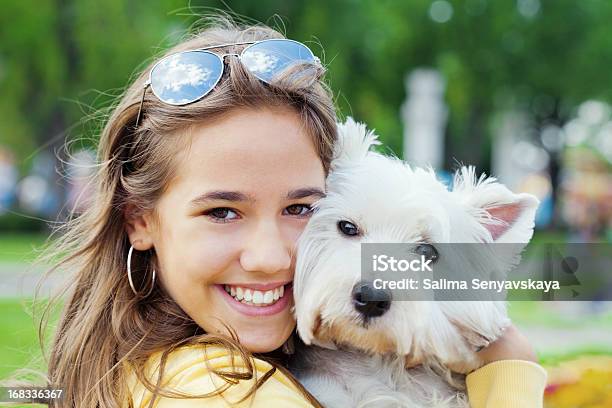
(221, 195)
(305, 192)
(239, 196)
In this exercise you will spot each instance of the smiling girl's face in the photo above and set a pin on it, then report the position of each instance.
(226, 227)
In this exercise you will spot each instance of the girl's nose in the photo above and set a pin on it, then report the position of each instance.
(267, 250)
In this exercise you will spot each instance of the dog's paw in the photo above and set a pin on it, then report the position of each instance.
(479, 339)
(467, 357)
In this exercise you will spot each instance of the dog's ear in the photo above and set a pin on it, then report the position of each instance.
(354, 142)
(508, 217)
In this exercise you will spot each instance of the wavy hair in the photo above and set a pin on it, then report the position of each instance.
(104, 327)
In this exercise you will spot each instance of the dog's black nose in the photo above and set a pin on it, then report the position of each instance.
(369, 301)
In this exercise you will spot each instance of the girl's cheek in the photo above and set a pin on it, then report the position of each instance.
(211, 258)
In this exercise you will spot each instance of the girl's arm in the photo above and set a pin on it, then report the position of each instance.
(187, 372)
(510, 377)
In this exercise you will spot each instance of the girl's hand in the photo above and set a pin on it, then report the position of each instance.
(512, 345)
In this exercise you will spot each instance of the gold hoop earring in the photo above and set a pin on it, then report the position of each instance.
(129, 274)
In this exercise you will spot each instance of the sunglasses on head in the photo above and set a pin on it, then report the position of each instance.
(188, 76)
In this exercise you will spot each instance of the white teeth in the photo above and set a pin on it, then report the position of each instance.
(255, 297)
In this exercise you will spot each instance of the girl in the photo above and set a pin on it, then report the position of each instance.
(183, 260)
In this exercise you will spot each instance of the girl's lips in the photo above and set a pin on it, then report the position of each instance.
(251, 310)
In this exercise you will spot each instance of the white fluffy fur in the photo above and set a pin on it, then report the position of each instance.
(390, 201)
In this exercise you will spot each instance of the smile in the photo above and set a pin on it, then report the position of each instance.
(258, 300)
(254, 297)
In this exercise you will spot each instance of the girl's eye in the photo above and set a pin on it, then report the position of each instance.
(299, 209)
(222, 214)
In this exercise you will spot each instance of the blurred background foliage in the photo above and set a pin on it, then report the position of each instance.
(64, 62)
(63, 59)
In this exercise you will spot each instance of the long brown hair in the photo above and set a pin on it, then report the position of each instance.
(104, 326)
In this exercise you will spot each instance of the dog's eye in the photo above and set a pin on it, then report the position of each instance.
(428, 251)
(348, 228)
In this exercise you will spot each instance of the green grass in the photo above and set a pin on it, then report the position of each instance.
(525, 313)
(15, 247)
(549, 237)
(551, 360)
(19, 347)
(534, 313)
(18, 336)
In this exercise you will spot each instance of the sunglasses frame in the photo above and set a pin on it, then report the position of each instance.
(221, 58)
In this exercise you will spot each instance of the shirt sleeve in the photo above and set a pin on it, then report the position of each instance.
(507, 384)
(187, 372)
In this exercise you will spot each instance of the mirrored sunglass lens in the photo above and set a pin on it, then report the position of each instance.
(269, 58)
(185, 77)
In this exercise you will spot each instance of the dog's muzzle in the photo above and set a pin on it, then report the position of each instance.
(369, 301)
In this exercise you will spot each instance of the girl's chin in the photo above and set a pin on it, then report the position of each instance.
(263, 342)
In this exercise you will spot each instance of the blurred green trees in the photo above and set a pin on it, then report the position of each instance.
(62, 59)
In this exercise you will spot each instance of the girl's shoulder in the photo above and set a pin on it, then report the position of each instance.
(196, 369)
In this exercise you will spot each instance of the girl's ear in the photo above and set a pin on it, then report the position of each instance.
(354, 142)
(508, 217)
(139, 228)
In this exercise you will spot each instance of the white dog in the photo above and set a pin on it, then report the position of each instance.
(361, 350)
